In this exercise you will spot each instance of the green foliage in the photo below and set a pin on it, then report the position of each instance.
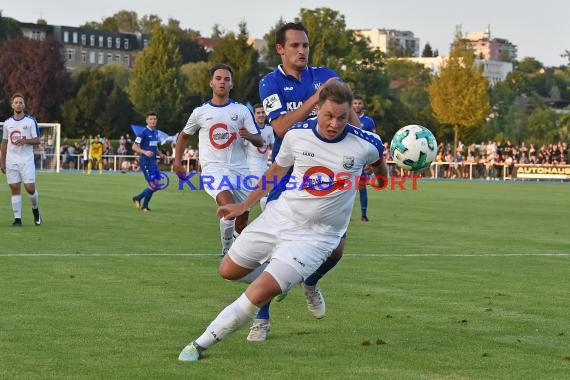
(234, 50)
(459, 95)
(427, 51)
(101, 105)
(156, 82)
(9, 28)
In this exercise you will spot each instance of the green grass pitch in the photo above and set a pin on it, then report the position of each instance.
(455, 280)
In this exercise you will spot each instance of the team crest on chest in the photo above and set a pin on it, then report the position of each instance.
(348, 162)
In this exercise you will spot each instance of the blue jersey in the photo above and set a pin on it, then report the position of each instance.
(367, 123)
(148, 140)
(282, 93)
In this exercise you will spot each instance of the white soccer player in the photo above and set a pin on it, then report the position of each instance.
(258, 157)
(298, 231)
(222, 124)
(19, 136)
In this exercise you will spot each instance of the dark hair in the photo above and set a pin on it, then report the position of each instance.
(17, 95)
(150, 113)
(280, 33)
(358, 97)
(257, 105)
(221, 66)
(336, 91)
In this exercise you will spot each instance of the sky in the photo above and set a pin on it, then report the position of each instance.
(539, 29)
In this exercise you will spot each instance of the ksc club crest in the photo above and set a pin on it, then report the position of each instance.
(348, 162)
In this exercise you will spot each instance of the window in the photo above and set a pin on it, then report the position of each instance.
(127, 60)
(101, 41)
(101, 58)
(83, 39)
(65, 36)
(117, 42)
(145, 42)
(92, 40)
(109, 57)
(126, 43)
(70, 55)
(92, 57)
(75, 35)
(110, 42)
(83, 56)
(117, 58)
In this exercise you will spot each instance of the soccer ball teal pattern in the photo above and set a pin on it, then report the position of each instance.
(413, 147)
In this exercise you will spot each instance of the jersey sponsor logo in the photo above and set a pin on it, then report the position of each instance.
(263, 149)
(316, 85)
(320, 181)
(348, 162)
(16, 136)
(292, 106)
(271, 103)
(220, 137)
(153, 143)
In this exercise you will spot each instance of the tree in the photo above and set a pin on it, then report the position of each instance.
(36, 69)
(427, 52)
(190, 49)
(9, 28)
(156, 82)
(459, 95)
(243, 58)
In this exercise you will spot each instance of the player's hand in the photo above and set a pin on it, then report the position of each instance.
(3, 168)
(367, 169)
(148, 153)
(244, 133)
(180, 170)
(231, 210)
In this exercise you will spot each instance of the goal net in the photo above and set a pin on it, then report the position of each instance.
(47, 153)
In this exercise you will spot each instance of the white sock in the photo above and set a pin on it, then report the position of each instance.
(34, 199)
(234, 316)
(227, 228)
(17, 206)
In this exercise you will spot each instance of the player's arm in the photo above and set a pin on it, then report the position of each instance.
(137, 149)
(254, 138)
(26, 141)
(181, 144)
(3, 148)
(232, 210)
(380, 170)
(281, 124)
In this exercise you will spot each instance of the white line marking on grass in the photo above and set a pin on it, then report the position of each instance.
(215, 254)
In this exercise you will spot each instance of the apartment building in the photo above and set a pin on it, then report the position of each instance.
(395, 42)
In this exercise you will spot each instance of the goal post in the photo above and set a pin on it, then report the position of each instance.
(47, 153)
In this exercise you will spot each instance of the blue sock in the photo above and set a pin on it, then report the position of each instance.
(321, 271)
(363, 201)
(263, 312)
(148, 195)
(141, 195)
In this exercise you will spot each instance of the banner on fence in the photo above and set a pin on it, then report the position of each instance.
(542, 172)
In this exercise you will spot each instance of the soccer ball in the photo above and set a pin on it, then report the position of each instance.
(413, 147)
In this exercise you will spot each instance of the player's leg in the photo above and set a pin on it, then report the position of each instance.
(100, 164)
(29, 180)
(363, 193)
(313, 295)
(14, 179)
(90, 165)
(227, 226)
(152, 175)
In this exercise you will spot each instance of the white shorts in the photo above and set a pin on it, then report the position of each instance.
(215, 181)
(274, 237)
(21, 172)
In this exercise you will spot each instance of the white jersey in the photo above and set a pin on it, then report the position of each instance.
(14, 130)
(322, 187)
(219, 142)
(257, 157)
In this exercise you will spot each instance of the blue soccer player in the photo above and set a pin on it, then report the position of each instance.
(146, 144)
(366, 123)
(290, 94)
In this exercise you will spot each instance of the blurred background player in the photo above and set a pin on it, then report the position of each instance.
(289, 95)
(366, 123)
(146, 144)
(258, 157)
(221, 124)
(95, 155)
(19, 136)
(298, 231)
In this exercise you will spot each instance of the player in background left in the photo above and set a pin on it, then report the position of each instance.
(19, 136)
(146, 144)
(366, 123)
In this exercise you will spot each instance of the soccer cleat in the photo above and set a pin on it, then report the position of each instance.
(258, 331)
(17, 222)
(190, 353)
(281, 296)
(315, 302)
(37, 216)
(145, 209)
(364, 219)
(137, 203)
